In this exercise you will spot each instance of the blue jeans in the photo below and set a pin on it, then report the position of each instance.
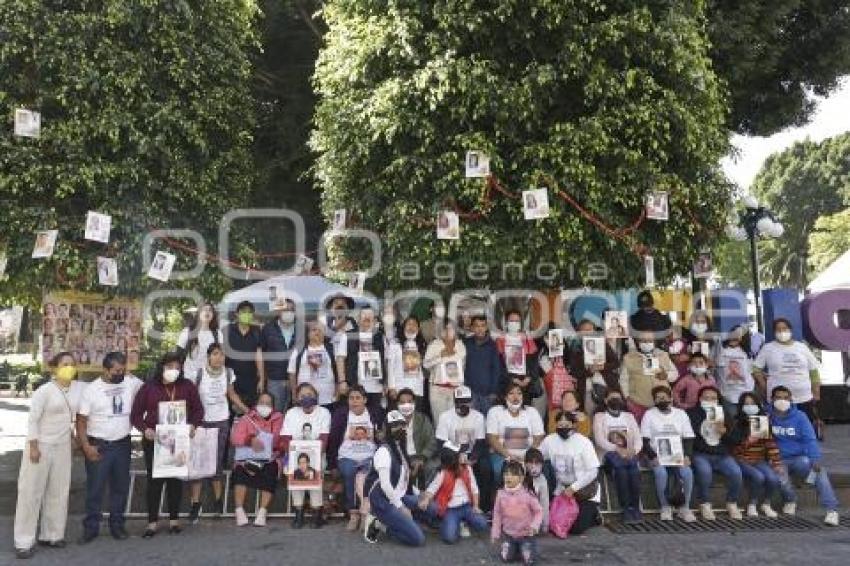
(513, 548)
(661, 472)
(399, 525)
(113, 468)
(762, 479)
(348, 470)
(498, 462)
(800, 467)
(705, 464)
(626, 475)
(280, 390)
(450, 523)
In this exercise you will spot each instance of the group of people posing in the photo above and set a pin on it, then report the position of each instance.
(437, 424)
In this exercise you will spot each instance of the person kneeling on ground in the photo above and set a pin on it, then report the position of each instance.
(800, 453)
(257, 441)
(715, 436)
(387, 488)
(517, 516)
(452, 497)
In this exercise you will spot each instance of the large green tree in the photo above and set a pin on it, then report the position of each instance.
(611, 100)
(829, 241)
(147, 115)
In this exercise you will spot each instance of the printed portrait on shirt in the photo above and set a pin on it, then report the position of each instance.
(516, 438)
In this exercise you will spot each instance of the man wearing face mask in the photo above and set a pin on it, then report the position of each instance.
(280, 340)
(576, 466)
(464, 426)
(484, 369)
(641, 371)
(103, 427)
(387, 486)
(665, 422)
(243, 347)
(800, 454)
(791, 364)
(421, 443)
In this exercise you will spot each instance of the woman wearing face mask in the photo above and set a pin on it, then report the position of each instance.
(758, 456)
(387, 486)
(421, 442)
(642, 370)
(258, 443)
(576, 466)
(570, 404)
(512, 428)
(734, 371)
(664, 421)
(167, 398)
(307, 411)
(618, 440)
(194, 341)
(700, 338)
(315, 365)
(591, 380)
(715, 438)
(405, 352)
(45, 474)
(789, 363)
(445, 359)
(687, 388)
(519, 354)
(215, 388)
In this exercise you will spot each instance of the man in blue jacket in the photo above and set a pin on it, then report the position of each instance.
(799, 449)
(484, 373)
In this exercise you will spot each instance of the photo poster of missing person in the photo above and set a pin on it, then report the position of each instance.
(670, 451)
(171, 450)
(90, 325)
(304, 465)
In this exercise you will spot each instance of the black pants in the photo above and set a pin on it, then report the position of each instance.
(173, 489)
(588, 516)
(483, 470)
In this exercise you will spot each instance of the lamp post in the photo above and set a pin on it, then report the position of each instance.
(753, 222)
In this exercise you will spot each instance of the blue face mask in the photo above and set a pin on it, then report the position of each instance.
(307, 402)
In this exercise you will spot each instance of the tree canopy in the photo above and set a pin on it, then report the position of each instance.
(146, 115)
(606, 101)
(829, 241)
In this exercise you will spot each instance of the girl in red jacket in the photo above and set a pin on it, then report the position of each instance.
(257, 441)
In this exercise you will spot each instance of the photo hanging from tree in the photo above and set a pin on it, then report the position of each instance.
(161, 266)
(448, 225)
(27, 123)
(477, 164)
(535, 204)
(657, 206)
(98, 227)
(45, 242)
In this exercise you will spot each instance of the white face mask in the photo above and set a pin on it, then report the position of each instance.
(698, 370)
(264, 411)
(406, 409)
(708, 404)
(784, 336)
(750, 410)
(699, 328)
(410, 335)
(782, 405)
(646, 347)
(513, 326)
(170, 375)
(287, 317)
(366, 337)
(515, 406)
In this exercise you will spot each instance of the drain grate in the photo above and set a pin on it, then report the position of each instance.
(721, 524)
(844, 521)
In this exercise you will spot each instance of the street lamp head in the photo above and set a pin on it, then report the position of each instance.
(765, 226)
(750, 201)
(777, 230)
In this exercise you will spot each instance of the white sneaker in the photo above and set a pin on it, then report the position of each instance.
(831, 518)
(241, 517)
(464, 531)
(687, 515)
(706, 512)
(260, 519)
(752, 510)
(734, 511)
(768, 511)
(666, 513)
(789, 508)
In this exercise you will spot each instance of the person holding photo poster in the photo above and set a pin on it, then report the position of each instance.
(642, 370)
(167, 398)
(758, 456)
(315, 365)
(700, 337)
(444, 358)
(715, 438)
(258, 446)
(405, 352)
(663, 422)
(686, 389)
(351, 445)
(365, 362)
(592, 380)
(734, 369)
(519, 354)
(307, 420)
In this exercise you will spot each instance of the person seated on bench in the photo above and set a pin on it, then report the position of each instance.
(715, 437)
(758, 456)
(618, 441)
(800, 453)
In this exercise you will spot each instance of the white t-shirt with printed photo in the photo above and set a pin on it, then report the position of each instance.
(675, 423)
(107, 406)
(306, 426)
(359, 441)
(404, 367)
(788, 365)
(516, 432)
(212, 389)
(734, 373)
(316, 369)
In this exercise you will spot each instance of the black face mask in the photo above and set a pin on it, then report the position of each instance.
(116, 378)
(564, 432)
(663, 405)
(399, 435)
(462, 410)
(615, 406)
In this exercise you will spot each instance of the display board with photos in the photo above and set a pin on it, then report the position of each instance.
(89, 326)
